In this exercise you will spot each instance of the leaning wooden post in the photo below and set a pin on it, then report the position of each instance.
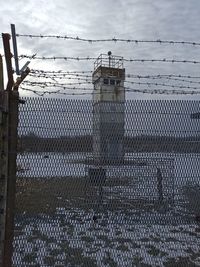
(11, 99)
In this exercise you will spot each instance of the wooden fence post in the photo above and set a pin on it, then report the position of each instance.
(1, 74)
(3, 160)
(13, 100)
(8, 142)
(9, 101)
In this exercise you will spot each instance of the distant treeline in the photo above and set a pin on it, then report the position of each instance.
(131, 144)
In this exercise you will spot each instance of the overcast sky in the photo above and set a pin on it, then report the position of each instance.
(176, 20)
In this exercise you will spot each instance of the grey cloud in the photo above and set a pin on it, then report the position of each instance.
(136, 19)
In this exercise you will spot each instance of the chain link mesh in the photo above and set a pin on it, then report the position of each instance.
(107, 184)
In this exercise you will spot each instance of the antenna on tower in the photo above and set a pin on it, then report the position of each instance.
(109, 57)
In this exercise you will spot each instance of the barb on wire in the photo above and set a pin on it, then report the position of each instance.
(115, 40)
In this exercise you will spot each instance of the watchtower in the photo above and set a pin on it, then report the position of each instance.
(108, 109)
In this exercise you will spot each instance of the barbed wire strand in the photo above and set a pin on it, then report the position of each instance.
(164, 60)
(149, 84)
(115, 40)
(144, 91)
(127, 75)
(60, 71)
(89, 77)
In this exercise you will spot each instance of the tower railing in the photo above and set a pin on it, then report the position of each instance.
(110, 61)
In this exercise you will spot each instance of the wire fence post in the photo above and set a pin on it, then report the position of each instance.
(3, 163)
(3, 168)
(8, 143)
(1, 74)
(13, 100)
(3, 159)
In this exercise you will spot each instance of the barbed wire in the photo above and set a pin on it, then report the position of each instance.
(35, 71)
(60, 71)
(82, 77)
(149, 84)
(57, 57)
(182, 80)
(115, 40)
(42, 93)
(163, 76)
(144, 91)
(88, 58)
(164, 85)
(51, 84)
(63, 77)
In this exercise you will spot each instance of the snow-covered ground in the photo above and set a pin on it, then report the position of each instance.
(71, 238)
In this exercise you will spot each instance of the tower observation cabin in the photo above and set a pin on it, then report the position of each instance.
(108, 108)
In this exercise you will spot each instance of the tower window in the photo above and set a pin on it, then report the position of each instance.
(105, 81)
(112, 82)
(118, 82)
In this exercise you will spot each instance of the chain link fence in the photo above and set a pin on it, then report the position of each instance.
(107, 184)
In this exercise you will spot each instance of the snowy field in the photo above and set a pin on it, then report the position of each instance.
(119, 237)
(70, 238)
(58, 164)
